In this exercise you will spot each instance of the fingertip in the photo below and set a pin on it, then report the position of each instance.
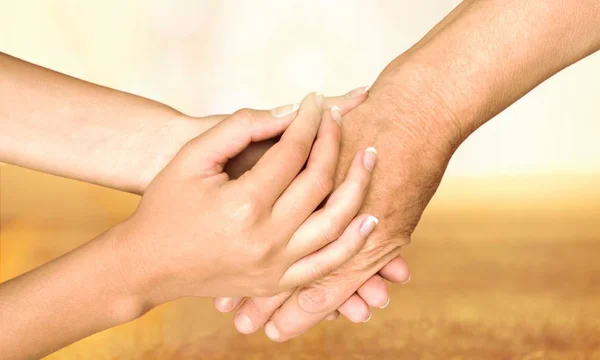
(243, 324)
(285, 110)
(368, 225)
(386, 303)
(224, 304)
(360, 91)
(355, 309)
(374, 292)
(336, 114)
(368, 318)
(272, 332)
(369, 158)
(396, 271)
(319, 98)
(348, 101)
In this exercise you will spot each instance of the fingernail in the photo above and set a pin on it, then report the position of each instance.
(244, 324)
(271, 331)
(368, 225)
(225, 304)
(284, 110)
(369, 318)
(336, 114)
(357, 92)
(319, 99)
(407, 280)
(369, 158)
(386, 303)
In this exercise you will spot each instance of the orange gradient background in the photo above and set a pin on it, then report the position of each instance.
(505, 262)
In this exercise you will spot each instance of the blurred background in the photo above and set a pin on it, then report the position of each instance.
(505, 263)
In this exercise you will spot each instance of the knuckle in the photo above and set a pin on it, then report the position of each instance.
(263, 254)
(319, 271)
(247, 210)
(323, 181)
(374, 251)
(259, 253)
(245, 115)
(299, 149)
(362, 313)
(317, 299)
(335, 229)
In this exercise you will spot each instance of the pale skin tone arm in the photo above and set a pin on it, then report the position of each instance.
(226, 238)
(479, 60)
(64, 126)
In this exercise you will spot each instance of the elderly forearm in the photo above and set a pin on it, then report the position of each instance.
(64, 126)
(474, 63)
(487, 54)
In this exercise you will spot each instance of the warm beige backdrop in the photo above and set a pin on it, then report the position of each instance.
(505, 261)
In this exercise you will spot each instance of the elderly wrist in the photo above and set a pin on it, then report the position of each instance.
(418, 99)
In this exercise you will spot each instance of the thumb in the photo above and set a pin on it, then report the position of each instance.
(208, 153)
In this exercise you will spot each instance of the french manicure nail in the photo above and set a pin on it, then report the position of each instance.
(319, 99)
(368, 225)
(357, 92)
(271, 331)
(284, 110)
(369, 318)
(369, 158)
(407, 280)
(336, 114)
(386, 303)
(244, 324)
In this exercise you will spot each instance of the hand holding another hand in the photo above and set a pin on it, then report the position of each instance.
(198, 233)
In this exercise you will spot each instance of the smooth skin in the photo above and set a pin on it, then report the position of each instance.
(64, 126)
(197, 232)
(479, 60)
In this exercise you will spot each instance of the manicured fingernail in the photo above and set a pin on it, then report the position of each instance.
(369, 158)
(271, 331)
(386, 304)
(357, 92)
(244, 324)
(284, 110)
(319, 99)
(368, 225)
(336, 114)
(407, 280)
(369, 318)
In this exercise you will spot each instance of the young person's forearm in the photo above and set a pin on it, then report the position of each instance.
(68, 127)
(487, 54)
(72, 297)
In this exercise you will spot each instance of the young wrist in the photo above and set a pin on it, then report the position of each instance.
(161, 143)
(149, 277)
(130, 272)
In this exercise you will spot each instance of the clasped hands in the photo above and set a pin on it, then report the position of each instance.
(255, 240)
